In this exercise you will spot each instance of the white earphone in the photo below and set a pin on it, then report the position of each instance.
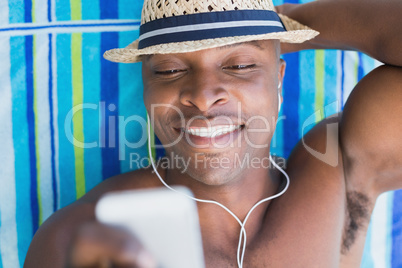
(279, 97)
(241, 247)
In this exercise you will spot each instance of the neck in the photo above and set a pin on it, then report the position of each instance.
(239, 196)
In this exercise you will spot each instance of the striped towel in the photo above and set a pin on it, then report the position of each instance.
(70, 119)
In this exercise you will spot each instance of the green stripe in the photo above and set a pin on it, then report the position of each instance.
(35, 106)
(152, 135)
(78, 119)
(319, 83)
(75, 6)
(33, 11)
(356, 60)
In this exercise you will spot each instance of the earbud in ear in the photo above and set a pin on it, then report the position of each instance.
(279, 97)
(279, 102)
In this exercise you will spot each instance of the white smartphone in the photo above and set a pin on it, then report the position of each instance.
(164, 221)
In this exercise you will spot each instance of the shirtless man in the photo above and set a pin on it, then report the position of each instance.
(322, 219)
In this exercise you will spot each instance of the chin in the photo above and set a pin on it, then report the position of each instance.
(213, 176)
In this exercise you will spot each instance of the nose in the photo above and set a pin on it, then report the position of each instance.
(204, 90)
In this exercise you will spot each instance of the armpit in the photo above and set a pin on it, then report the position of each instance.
(357, 217)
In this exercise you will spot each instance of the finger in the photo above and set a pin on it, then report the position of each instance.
(99, 245)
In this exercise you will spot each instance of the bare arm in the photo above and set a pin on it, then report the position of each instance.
(370, 132)
(369, 26)
(371, 124)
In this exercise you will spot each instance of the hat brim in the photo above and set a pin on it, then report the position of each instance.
(296, 33)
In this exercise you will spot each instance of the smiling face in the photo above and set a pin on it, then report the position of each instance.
(215, 109)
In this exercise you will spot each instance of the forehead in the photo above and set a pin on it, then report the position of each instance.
(266, 46)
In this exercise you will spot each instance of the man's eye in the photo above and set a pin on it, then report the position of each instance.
(240, 67)
(168, 72)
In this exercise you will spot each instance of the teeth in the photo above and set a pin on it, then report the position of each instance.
(212, 131)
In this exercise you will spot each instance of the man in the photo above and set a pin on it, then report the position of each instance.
(322, 219)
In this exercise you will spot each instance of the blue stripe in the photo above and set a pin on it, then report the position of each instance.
(21, 145)
(54, 26)
(396, 254)
(49, 10)
(202, 18)
(360, 68)
(31, 130)
(91, 90)
(291, 102)
(52, 142)
(342, 79)
(28, 10)
(65, 103)
(110, 96)
(109, 9)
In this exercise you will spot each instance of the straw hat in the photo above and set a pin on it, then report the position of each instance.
(178, 26)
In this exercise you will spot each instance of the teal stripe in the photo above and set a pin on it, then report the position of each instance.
(277, 146)
(368, 63)
(367, 260)
(330, 82)
(91, 9)
(16, 11)
(91, 56)
(21, 146)
(63, 10)
(388, 242)
(131, 105)
(277, 2)
(129, 11)
(64, 100)
(307, 89)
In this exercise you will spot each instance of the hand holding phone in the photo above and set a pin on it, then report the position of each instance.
(165, 222)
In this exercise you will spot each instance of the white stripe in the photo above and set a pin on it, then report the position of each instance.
(41, 11)
(4, 20)
(53, 10)
(58, 30)
(42, 123)
(209, 26)
(66, 23)
(339, 78)
(55, 115)
(8, 226)
(381, 231)
(351, 58)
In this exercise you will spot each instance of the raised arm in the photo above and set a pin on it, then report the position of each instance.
(371, 123)
(369, 26)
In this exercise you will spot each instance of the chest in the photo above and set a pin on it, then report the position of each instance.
(303, 228)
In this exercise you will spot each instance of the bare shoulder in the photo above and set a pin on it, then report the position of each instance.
(51, 241)
(138, 179)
